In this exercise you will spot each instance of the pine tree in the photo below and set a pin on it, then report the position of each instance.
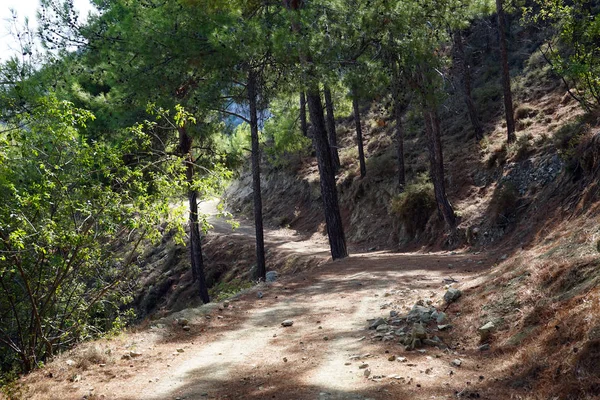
(507, 92)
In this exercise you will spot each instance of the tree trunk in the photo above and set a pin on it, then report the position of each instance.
(335, 158)
(398, 107)
(359, 137)
(261, 270)
(436, 160)
(333, 218)
(303, 121)
(399, 139)
(464, 70)
(185, 147)
(331, 208)
(508, 103)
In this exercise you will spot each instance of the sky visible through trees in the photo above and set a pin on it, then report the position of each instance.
(24, 9)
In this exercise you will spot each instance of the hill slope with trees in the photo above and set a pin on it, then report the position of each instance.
(441, 125)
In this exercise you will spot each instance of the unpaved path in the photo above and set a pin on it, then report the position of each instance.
(242, 352)
(284, 239)
(247, 358)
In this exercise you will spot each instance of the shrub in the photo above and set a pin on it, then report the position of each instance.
(498, 157)
(10, 386)
(415, 205)
(348, 156)
(566, 135)
(504, 203)
(525, 111)
(382, 165)
(282, 133)
(488, 100)
(587, 153)
(91, 356)
(522, 147)
(75, 212)
(523, 124)
(579, 146)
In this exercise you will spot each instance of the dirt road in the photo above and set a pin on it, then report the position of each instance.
(240, 350)
(247, 354)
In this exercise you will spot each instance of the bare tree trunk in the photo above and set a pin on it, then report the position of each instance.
(436, 160)
(508, 103)
(399, 139)
(185, 147)
(399, 107)
(261, 270)
(303, 121)
(465, 73)
(359, 136)
(333, 218)
(335, 158)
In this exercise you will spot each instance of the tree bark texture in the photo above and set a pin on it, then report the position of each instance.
(399, 139)
(436, 160)
(261, 270)
(464, 71)
(333, 218)
(185, 146)
(333, 145)
(303, 121)
(398, 107)
(508, 103)
(359, 136)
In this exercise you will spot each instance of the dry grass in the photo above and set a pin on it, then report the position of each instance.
(91, 356)
(525, 111)
(546, 303)
(348, 156)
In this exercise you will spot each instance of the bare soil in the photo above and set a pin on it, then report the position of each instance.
(241, 351)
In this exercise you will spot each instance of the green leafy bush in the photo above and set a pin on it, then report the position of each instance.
(578, 146)
(74, 212)
(587, 153)
(235, 145)
(522, 148)
(573, 50)
(415, 205)
(382, 164)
